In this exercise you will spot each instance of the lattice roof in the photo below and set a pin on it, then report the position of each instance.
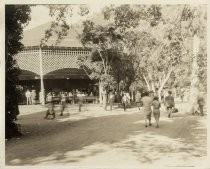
(52, 60)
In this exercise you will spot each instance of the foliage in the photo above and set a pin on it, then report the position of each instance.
(106, 46)
(195, 21)
(17, 16)
(59, 26)
(127, 45)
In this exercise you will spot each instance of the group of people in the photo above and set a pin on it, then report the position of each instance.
(151, 105)
(30, 97)
(63, 101)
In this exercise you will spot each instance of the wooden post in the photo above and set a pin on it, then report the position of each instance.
(41, 77)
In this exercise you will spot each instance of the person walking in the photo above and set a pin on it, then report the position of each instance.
(146, 104)
(124, 101)
(50, 105)
(28, 97)
(156, 110)
(169, 103)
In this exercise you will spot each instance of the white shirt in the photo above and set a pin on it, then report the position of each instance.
(28, 94)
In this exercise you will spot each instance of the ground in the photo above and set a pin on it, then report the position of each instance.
(95, 137)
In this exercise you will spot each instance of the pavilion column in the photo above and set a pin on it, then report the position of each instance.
(42, 95)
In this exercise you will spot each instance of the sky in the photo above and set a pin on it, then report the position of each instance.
(40, 14)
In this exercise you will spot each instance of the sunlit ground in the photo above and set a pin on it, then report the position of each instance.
(95, 137)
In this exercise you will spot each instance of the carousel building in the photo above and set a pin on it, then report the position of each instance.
(53, 68)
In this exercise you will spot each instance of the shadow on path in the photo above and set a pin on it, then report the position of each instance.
(50, 141)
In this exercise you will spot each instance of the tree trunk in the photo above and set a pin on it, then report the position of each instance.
(153, 86)
(159, 95)
(104, 100)
(194, 89)
(163, 83)
(100, 92)
(148, 86)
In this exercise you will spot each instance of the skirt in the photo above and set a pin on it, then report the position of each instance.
(156, 113)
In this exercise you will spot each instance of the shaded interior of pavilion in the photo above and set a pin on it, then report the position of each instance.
(62, 80)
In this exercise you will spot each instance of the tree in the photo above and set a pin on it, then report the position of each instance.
(60, 26)
(147, 52)
(106, 46)
(155, 56)
(17, 16)
(195, 19)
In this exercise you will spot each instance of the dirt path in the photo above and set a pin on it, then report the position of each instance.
(95, 137)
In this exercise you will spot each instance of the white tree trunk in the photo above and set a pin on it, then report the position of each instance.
(194, 89)
(100, 92)
(153, 86)
(163, 83)
(148, 86)
(104, 100)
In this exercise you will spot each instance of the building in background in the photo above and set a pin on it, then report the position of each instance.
(53, 68)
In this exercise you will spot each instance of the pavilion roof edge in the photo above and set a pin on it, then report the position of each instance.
(58, 47)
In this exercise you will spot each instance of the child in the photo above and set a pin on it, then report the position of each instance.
(156, 110)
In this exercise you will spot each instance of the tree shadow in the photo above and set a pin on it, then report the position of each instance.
(183, 137)
(51, 142)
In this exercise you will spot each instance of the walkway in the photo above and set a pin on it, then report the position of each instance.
(95, 137)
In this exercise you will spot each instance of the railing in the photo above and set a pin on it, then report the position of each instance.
(85, 99)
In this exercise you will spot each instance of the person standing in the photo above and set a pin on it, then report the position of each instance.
(201, 103)
(63, 102)
(156, 110)
(33, 96)
(74, 93)
(169, 103)
(147, 103)
(80, 100)
(182, 94)
(138, 99)
(111, 99)
(128, 99)
(28, 96)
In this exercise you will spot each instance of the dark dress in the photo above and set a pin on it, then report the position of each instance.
(156, 109)
(147, 102)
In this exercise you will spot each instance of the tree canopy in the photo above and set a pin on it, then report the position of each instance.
(17, 16)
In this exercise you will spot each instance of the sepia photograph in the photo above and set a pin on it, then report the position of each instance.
(106, 85)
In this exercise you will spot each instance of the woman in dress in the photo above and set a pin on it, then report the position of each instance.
(156, 110)
(147, 103)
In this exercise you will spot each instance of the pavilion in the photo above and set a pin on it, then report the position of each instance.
(53, 67)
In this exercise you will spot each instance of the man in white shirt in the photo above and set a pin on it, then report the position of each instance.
(28, 97)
